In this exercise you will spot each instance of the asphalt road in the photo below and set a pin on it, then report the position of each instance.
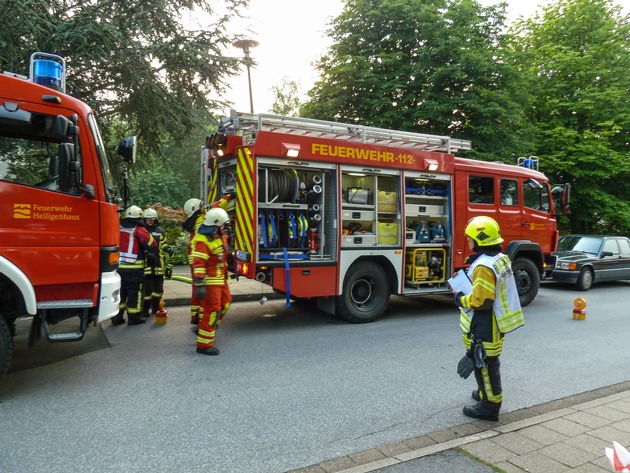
(292, 386)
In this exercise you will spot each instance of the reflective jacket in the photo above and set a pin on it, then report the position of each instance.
(209, 258)
(135, 242)
(506, 307)
(160, 264)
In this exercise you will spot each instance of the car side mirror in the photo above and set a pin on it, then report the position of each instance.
(606, 253)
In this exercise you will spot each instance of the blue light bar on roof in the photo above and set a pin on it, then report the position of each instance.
(49, 70)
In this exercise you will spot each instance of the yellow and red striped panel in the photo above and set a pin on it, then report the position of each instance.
(245, 218)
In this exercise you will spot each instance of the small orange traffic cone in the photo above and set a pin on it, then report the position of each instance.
(161, 315)
(579, 308)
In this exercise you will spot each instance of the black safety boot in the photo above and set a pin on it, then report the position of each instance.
(483, 410)
(136, 321)
(208, 351)
(145, 310)
(118, 318)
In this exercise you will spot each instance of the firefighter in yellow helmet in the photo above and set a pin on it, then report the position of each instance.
(491, 310)
(195, 213)
(209, 262)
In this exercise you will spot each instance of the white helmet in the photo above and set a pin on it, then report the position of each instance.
(191, 206)
(216, 217)
(149, 213)
(133, 212)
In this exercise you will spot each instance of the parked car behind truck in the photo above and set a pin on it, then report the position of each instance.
(583, 260)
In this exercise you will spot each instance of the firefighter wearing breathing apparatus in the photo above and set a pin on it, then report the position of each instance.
(195, 213)
(491, 310)
(136, 246)
(154, 273)
(209, 262)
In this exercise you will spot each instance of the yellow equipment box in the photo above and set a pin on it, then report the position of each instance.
(387, 201)
(424, 265)
(388, 233)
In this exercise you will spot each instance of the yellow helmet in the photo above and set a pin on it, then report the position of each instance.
(484, 230)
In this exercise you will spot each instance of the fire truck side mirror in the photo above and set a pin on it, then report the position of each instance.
(127, 149)
(59, 128)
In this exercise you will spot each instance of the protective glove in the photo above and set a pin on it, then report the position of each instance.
(168, 271)
(200, 288)
(457, 298)
(152, 259)
(465, 366)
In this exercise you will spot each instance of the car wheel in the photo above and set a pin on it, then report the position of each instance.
(585, 280)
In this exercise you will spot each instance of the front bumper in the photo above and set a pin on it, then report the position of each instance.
(561, 275)
(109, 298)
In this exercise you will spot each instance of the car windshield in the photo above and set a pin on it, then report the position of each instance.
(584, 244)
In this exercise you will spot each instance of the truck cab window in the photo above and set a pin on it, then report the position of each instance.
(509, 192)
(34, 161)
(536, 198)
(480, 190)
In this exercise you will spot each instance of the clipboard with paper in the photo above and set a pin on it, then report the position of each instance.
(460, 282)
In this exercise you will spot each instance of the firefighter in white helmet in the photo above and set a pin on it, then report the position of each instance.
(136, 245)
(195, 213)
(489, 311)
(154, 273)
(210, 277)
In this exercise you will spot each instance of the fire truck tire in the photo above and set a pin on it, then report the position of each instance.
(6, 346)
(365, 293)
(527, 279)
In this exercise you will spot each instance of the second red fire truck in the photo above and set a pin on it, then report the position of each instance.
(347, 215)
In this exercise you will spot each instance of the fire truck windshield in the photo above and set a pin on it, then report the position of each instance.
(102, 157)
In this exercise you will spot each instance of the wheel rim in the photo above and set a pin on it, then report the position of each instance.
(587, 279)
(523, 281)
(361, 293)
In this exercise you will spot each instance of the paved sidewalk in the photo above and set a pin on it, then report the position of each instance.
(567, 435)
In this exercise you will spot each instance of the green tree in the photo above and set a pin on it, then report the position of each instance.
(432, 66)
(577, 55)
(287, 98)
(136, 62)
(158, 184)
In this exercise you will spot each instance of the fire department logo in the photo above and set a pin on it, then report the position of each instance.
(21, 210)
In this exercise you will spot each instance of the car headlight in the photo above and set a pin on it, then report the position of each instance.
(566, 265)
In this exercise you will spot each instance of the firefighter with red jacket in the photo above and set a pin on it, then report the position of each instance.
(487, 313)
(195, 211)
(136, 245)
(209, 262)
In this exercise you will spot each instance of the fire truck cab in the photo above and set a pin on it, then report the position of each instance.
(59, 225)
(348, 215)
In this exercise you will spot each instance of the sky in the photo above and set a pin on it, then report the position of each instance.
(291, 36)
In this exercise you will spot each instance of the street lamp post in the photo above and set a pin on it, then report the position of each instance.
(246, 45)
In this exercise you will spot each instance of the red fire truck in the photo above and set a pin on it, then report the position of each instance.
(348, 215)
(59, 225)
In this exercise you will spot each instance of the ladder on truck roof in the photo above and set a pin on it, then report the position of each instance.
(251, 123)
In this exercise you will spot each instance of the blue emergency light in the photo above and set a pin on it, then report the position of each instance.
(49, 70)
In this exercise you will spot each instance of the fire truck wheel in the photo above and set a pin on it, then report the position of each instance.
(365, 293)
(6, 346)
(527, 279)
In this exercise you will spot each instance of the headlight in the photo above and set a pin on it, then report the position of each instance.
(566, 265)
